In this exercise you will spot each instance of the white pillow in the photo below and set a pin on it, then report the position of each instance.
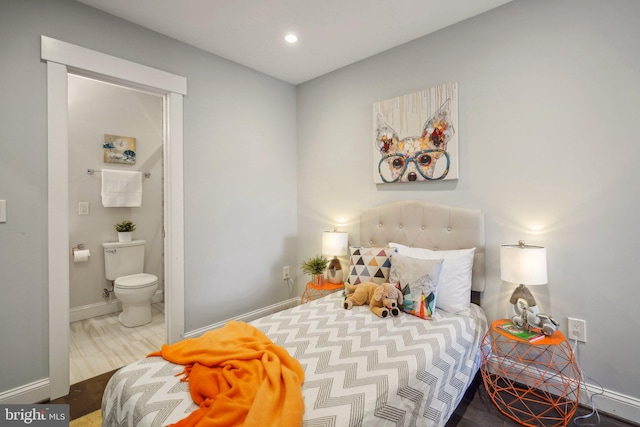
(453, 293)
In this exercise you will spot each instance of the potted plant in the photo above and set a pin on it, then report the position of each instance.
(125, 230)
(315, 267)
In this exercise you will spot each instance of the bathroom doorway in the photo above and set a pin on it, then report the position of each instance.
(104, 121)
(63, 59)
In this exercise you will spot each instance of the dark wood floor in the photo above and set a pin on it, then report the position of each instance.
(86, 396)
(475, 410)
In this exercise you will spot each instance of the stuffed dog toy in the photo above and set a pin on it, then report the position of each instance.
(392, 305)
(382, 299)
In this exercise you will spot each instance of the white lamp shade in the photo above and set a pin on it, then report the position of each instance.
(526, 265)
(335, 243)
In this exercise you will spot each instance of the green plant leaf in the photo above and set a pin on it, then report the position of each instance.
(315, 265)
(125, 226)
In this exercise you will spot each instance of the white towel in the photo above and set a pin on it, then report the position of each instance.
(121, 189)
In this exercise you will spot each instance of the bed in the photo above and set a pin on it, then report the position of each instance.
(360, 370)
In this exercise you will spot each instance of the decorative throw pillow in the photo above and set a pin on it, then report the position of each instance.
(369, 265)
(417, 279)
(454, 286)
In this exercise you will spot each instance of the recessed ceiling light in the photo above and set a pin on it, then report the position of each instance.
(291, 38)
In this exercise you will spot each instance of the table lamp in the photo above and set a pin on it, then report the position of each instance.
(334, 243)
(524, 265)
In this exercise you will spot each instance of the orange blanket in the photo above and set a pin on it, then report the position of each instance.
(239, 377)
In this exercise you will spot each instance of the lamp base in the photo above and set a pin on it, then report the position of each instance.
(523, 303)
(334, 271)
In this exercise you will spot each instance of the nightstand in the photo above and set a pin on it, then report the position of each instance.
(536, 384)
(312, 292)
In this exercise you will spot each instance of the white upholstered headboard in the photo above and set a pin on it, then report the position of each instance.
(427, 225)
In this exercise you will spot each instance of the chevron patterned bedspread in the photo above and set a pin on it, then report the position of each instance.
(360, 370)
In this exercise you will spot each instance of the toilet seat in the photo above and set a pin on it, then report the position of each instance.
(136, 281)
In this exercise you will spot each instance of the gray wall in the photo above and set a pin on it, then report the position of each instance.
(95, 109)
(239, 150)
(548, 107)
(548, 96)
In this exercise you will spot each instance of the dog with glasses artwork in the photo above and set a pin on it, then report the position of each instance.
(422, 156)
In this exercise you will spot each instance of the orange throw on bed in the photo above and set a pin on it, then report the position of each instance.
(239, 377)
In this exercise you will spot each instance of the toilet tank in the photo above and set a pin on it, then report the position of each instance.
(123, 259)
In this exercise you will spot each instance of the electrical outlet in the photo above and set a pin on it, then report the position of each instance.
(577, 329)
(285, 273)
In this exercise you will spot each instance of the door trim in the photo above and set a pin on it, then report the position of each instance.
(62, 58)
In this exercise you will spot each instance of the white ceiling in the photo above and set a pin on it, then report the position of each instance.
(332, 33)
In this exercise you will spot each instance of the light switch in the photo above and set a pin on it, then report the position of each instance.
(83, 208)
(3, 211)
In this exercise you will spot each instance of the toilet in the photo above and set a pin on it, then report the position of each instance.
(123, 263)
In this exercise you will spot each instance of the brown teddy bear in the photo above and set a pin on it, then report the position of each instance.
(382, 299)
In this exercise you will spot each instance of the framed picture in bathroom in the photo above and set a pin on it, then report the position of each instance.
(119, 149)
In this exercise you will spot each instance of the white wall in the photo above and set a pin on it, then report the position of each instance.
(548, 103)
(95, 109)
(239, 175)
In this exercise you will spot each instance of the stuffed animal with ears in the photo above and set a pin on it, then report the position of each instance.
(392, 304)
(382, 299)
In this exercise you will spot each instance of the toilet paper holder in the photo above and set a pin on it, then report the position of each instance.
(78, 247)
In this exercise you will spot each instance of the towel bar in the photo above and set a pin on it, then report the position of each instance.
(92, 171)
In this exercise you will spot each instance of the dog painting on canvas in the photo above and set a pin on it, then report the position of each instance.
(423, 156)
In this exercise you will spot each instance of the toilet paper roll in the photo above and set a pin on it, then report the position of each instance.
(81, 255)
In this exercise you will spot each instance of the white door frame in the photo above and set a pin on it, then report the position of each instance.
(61, 58)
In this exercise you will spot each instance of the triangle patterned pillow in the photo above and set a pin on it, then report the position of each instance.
(417, 279)
(369, 265)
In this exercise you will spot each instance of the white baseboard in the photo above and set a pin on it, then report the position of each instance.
(37, 391)
(614, 403)
(112, 305)
(247, 317)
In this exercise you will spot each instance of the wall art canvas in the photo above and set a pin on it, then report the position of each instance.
(415, 136)
(119, 149)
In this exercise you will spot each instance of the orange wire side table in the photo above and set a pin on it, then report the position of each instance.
(536, 384)
(314, 292)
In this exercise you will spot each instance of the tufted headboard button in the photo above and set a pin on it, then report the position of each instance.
(380, 225)
(400, 226)
(448, 228)
(435, 248)
(424, 228)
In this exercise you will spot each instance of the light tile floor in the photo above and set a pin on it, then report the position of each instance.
(101, 344)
